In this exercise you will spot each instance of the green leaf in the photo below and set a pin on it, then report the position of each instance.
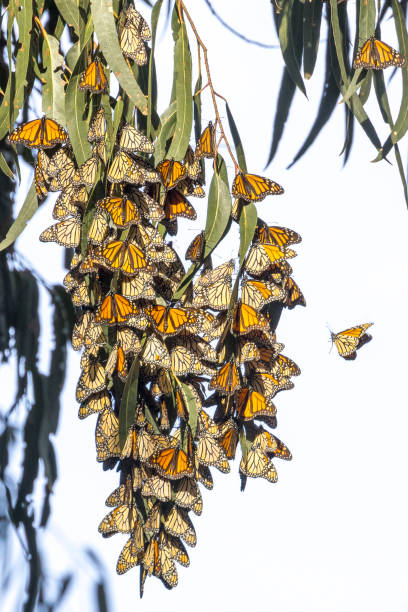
(366, 23)
(247, 224)
(327, 105)
(70, 13)
(25, 24)
(289, 39)
(5, 167)
(197, 107)
(365, 87)
(26, 212)
(219, 207)
(191, 404)
(401, 172)
(166, 131)
(53, 94)
(184, 98)
(401, 123)
(128, 402)
(150, 106)
(75, 105)
(105, 29)
(236, 139)
(312, 18)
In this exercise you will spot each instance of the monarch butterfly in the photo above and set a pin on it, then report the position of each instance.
(196, 248)
(258, 293)
(254, 188)
(148, 207)
(182, 360)
(229, 438)
(122, 210)
(217, 295)
(156, 353)
(174, 546)
(80, 327)
(151, 560)
(179, 524)
(128, 340)
(121, 520)
(257, 465)
(69, 202)
(279, 236)
(117, 361)
(158, 487)
(251, 404)
(169, 320)
(80, 295)
(281, 451)
(176, 205)
(227, 380)
(123, 168)
(247, 351)
(206, 143)
(97, 128)
(294, 296)
(39, 134)
(133, 140)
(139, 22)
(171, 171)
(88, 172)
(40, 182)
(138, 287)
(187, 495)
(100, 150)
(192, 166)
(190, 188)
(349, 340)
(131, 554)
(245, 318)
(92, 379)
(212, 276)
(93, 79)
(114, 309)
(66, 233)
(97, 402)
(210, 452)
(377, 55)
(124, 256)
(132, 45)
(172, 463)
(98, 229)
(263, 256)
(283, 366)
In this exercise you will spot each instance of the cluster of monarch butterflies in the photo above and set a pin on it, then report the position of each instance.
(206, 352)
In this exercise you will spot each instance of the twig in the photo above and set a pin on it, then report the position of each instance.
(181, 5)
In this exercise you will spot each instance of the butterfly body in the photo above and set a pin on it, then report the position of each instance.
(377, 55)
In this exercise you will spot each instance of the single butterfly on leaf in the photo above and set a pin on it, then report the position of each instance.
(254, 188)
(377, 55)
(349, 340)
(93, 79)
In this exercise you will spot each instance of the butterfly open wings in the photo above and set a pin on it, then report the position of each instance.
(377, 55)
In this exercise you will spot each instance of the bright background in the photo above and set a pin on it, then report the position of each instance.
(332, 534)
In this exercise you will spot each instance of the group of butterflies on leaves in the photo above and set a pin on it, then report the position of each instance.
(183, 358)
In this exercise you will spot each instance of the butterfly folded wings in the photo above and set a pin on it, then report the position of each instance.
(350, 340)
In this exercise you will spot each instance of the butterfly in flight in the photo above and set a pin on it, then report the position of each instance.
(349, 340)
(377, 55)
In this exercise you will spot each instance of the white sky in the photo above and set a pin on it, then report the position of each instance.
(331, 535)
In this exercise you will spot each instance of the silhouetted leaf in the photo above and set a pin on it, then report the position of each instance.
(26, 212)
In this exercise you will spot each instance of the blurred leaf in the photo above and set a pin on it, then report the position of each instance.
(326, 107)
(70, 13)
(285, 97)
(184, 98)
(7, 107)
(105, 29)
(25, 24)
(75, 105)
(365, 87)
(53, 94)
(219, 207)
(128, 402)
(26, 212)
(102, 603)
(237, 140)
(312, 17)
(289, 39)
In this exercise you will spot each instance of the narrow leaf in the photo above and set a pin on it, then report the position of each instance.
(128, 402)
(25, 24)
(26, 212)
(312, 18)
(5, 167)
(53, 94)
(237, 139)
(285, 97)
(219, 207)
(168, 124)
(184, 98)
(401, 123)
(288, 41)
(247, 224)
(150, 106)
(70, 13)
(191, 404)
(105, 29)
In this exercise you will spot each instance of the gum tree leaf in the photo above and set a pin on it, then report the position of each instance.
(128, 402)
(53, 94)
(26, 212)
